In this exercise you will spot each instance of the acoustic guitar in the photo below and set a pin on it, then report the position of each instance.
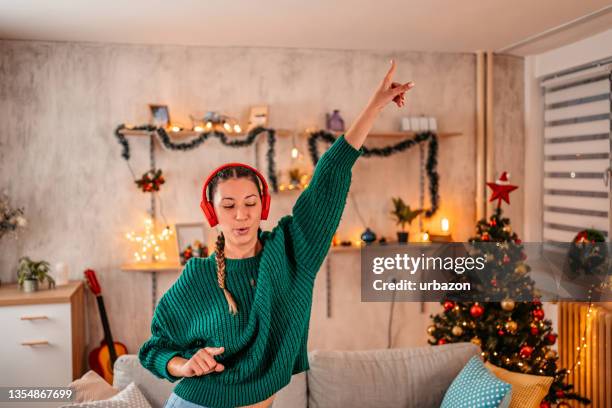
(102, 358)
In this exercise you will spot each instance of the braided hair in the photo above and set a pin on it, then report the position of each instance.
(226, 174)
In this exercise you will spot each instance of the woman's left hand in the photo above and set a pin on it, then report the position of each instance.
(390, 91)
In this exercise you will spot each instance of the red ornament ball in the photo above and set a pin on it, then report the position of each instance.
(560, 393)
(551, 338)
(506, 259)
(538, 314)
(494, 282)
(500, 332)
(492, 222)
(441, 341)
(544, 404)
(476, 310)
(526, 351)
(534, 330)
(518, 241)
(448, 305)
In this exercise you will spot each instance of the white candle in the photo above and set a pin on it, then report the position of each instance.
(62, 274)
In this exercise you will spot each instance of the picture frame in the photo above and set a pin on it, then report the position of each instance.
(160, 115)
(258, 117)
(188, 234)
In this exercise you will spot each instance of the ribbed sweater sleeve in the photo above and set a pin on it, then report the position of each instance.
(155, 353)
(317, 212)
(167, 328)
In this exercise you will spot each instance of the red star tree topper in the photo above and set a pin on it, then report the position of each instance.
(501, 189)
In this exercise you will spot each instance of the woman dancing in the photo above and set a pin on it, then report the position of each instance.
(234, 326)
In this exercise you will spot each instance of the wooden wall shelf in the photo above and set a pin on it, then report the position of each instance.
(192, 133)
(279, 132)
(152, 267)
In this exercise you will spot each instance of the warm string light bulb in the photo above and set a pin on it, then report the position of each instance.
(150, 249)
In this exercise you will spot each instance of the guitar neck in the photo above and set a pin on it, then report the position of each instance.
(107, 331)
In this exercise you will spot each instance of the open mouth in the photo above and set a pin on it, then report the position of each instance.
(241, 231)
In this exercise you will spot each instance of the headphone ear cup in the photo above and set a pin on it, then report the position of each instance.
(209, 212)
(265, 207)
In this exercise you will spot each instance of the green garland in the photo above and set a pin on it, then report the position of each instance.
(431, 165)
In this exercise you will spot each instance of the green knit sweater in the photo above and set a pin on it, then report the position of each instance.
(265, 342)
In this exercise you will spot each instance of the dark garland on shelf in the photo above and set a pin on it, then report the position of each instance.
(167, 142)
(430, 166)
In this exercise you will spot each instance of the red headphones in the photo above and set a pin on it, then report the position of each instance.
(207, 206)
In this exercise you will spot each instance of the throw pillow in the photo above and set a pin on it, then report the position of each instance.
(92, 387)
(476, 386)
(129, 397)
(527, 390)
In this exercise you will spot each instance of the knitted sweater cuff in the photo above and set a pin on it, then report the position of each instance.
(162, 357)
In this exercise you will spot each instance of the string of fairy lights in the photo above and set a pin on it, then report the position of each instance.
(583, 339)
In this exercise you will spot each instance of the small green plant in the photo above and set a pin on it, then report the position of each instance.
(402, 213)
(34, 270)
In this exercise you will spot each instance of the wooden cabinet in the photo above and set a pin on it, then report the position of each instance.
(43, 335)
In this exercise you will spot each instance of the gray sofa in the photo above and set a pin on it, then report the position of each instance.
(408, 377)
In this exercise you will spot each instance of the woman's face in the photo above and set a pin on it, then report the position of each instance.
(238, 208)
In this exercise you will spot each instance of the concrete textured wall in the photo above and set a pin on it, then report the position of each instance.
(59, 105)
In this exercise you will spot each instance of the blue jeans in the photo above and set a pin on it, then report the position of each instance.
(174, 401)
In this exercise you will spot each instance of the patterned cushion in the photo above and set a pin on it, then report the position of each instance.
(527, 390)
(129, 397)
(476, 386)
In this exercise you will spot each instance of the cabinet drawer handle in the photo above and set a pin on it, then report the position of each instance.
(34, 317)
(34, 343)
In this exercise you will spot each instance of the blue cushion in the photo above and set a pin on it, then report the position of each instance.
(476, 386)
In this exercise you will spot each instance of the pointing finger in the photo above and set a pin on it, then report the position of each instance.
(389, 76)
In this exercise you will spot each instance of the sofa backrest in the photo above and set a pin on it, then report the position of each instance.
(405, 377)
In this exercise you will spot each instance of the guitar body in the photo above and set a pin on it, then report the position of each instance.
(102, 358)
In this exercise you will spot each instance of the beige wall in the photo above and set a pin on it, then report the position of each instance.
(60, 103)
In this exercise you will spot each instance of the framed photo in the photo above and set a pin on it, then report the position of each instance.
(160, 116)
(258, 116)
(191, 240)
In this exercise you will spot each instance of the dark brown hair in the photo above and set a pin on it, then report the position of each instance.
(226, 174)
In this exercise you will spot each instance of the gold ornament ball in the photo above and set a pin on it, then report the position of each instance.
(508, 229)
(550, 355)
(511, 326)
(431, 330)
(521, 269)
(457, 331)
(507, 305)
(476, 341)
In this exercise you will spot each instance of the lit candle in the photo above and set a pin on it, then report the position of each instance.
(425, 237)
(444, 225)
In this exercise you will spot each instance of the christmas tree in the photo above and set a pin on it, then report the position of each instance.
(511, 334)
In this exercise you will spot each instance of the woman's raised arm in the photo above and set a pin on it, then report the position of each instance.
(318, 210)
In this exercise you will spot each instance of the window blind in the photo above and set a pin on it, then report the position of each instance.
(577, 134)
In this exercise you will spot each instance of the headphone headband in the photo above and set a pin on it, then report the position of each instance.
(207, 206)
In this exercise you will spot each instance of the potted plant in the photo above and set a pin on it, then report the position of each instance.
(403, 215)
(29, 273)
